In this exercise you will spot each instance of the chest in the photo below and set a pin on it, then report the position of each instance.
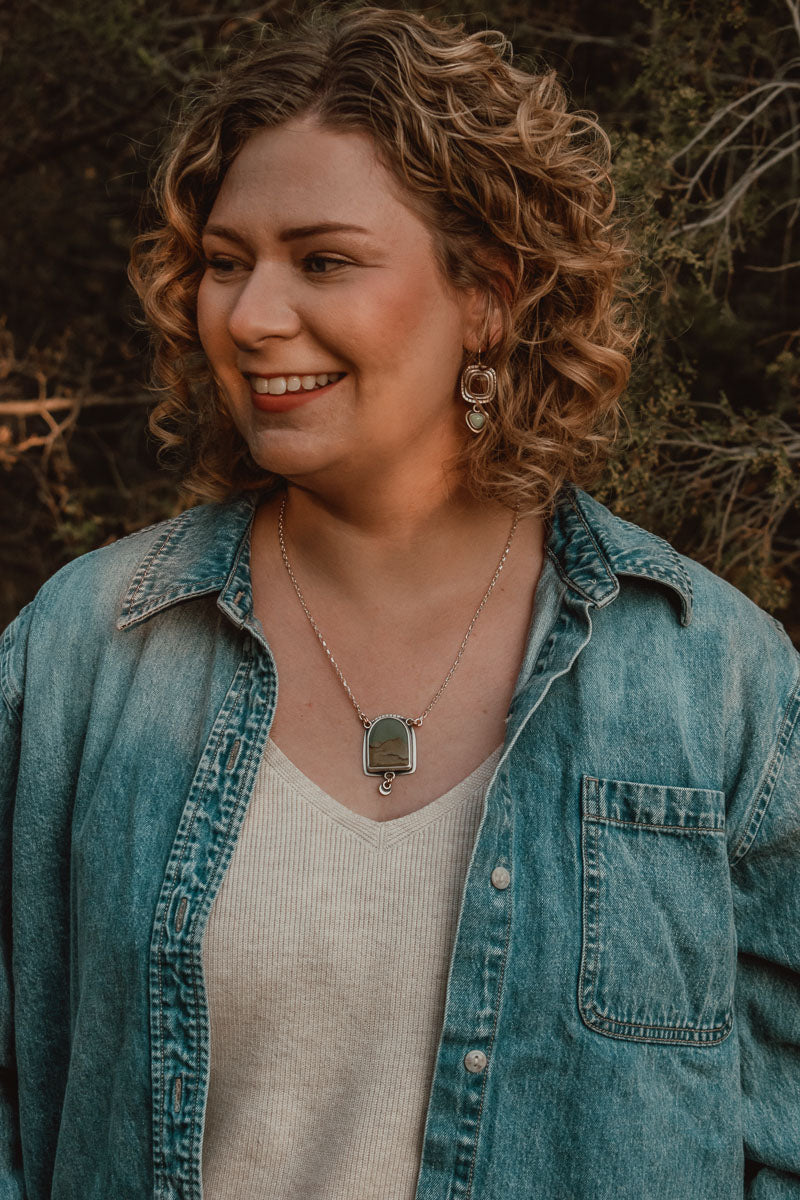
(394, 670)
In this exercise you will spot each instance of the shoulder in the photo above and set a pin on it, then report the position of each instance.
(653, 591)
(691, 662)
(94, 582)
(81, 607)
(743, 648)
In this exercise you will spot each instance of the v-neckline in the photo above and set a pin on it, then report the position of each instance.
(379, 832)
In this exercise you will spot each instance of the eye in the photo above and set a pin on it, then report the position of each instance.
(221, 266)
(322, 264)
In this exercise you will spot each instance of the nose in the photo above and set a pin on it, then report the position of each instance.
(263, 308)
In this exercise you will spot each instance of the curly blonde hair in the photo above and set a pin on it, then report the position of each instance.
(502, 173)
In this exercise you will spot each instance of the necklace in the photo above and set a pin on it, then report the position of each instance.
(390, 744)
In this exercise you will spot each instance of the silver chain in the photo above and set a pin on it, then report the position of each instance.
(416, 721)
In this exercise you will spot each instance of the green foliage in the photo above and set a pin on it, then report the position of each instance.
(702, 103)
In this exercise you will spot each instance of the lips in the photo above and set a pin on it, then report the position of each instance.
(280, 393)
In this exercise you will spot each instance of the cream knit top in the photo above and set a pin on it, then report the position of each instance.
(326, 958)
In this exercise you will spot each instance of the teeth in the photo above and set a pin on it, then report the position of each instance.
(278, 384)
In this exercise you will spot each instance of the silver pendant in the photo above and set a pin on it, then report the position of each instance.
(390, 749)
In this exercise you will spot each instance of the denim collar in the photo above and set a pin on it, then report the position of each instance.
(206, 550)
(591, 548)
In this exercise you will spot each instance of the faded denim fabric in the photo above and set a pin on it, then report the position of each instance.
(636, 988)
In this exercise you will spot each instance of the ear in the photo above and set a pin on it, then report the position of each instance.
(483, 326)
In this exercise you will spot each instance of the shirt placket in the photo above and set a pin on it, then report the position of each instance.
(210, 823)
(482, 954)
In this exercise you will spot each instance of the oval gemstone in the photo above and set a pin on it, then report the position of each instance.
(388, 745)
(476, 420)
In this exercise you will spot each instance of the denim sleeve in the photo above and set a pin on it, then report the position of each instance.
(12, 649)
(765, 875)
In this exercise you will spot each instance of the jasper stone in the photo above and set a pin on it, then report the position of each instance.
(476, 420)
(389, 746)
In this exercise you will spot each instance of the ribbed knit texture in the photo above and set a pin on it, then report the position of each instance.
(326, 958)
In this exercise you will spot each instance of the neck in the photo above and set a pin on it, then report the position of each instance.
(398, 540)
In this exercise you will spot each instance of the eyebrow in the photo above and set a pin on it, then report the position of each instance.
(287, 235)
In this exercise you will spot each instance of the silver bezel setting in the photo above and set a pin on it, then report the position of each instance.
(475, 371)
(475, 409)
(412, 748)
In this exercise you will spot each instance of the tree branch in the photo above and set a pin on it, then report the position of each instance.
(38, 408)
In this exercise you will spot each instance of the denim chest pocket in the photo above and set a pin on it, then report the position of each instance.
(658, 953)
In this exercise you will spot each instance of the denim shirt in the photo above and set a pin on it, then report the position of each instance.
(622, 1020)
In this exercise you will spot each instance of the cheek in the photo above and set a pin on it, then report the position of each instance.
(405, 318)
(211, 318)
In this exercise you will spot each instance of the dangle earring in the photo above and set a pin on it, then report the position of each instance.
(478, 387)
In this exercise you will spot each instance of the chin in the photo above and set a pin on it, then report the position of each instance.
(293, 453)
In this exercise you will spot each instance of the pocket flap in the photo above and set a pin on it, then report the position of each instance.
(665, 807)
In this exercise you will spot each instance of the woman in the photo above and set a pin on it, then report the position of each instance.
(451, 913)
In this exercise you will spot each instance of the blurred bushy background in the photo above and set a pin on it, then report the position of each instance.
(702, 102)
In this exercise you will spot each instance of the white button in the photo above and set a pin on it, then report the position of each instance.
(501, 878)
(475, 1061)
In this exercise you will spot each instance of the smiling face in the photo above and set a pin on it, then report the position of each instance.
(317, 273)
